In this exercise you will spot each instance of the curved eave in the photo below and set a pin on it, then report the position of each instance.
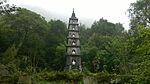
(73, 46)
(73, 24)
(74, 55)
(73, 38)
(74, 30)
(73, 18)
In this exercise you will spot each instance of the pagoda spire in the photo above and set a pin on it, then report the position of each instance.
(73, 10)
(73, 14)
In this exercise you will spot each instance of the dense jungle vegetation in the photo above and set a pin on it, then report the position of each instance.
(33, 49)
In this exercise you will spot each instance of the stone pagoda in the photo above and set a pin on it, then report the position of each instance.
(73, 58)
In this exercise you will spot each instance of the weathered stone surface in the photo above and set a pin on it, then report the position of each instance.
(73, 58)
(89, 80)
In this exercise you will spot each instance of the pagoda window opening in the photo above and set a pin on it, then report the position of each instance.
(73, 52)
(73, 62)
(73, 43)
(73, 21)
(73, 28)
(73, 35)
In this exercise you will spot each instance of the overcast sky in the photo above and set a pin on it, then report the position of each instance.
(113, 10)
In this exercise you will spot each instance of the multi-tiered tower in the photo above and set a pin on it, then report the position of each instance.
(73, 60)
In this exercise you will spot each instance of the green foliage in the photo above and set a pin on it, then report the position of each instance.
(8, 74)
(33, 41)
(138, 47)
(55, 44)
(58, 76)
(139, 54)
(103, 27)
(9, 54)
(139, 13)
(6, 8)
(102, 48)
(33, 50)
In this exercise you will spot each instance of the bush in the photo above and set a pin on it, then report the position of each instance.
(53, 76)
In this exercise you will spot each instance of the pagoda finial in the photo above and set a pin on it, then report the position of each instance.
(73, 14)
(73, 10)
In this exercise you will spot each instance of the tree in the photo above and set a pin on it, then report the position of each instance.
(58, 30)
(140, 13)
(26, 30)
(55, 42)
(103, 27)
(102, 46)
(6, 8)
(139, 54)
